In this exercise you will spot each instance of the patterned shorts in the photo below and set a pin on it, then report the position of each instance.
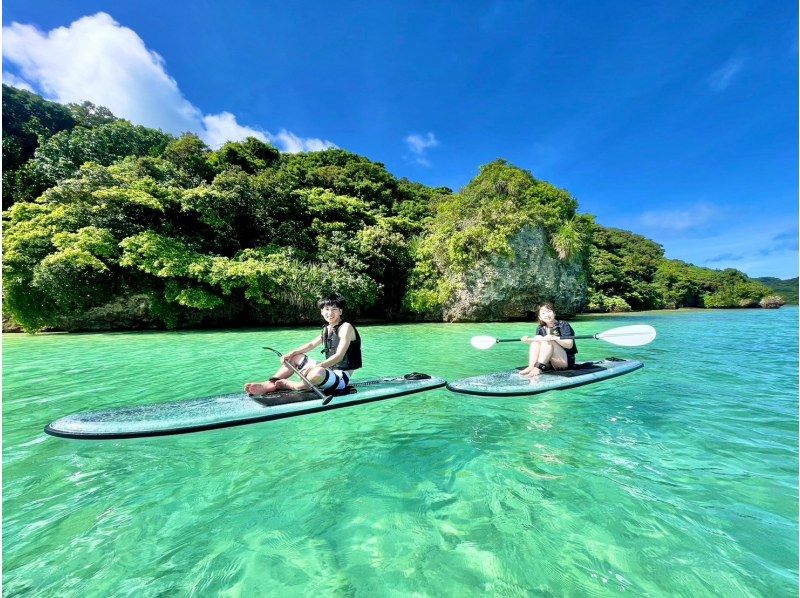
(334, 379)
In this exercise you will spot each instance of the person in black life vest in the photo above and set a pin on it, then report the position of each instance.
(342, 348)
(548, 350)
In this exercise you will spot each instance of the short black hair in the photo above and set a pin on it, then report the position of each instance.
(331, 301)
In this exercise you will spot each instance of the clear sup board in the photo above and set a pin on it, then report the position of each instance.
(235, 409)
(511, 384)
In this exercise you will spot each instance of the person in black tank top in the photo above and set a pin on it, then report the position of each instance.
(332, 337)
(549, 350)
(341, 346)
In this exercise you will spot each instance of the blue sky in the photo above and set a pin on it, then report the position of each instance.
(675, 120)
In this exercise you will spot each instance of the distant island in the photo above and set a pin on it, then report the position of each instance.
(113, 226)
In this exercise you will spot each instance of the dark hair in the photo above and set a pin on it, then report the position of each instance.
(331, 301)
(547, 305)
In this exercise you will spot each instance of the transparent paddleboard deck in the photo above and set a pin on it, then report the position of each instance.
(196, 415)
(512, 384)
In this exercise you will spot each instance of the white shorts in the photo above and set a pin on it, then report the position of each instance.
(334, 379)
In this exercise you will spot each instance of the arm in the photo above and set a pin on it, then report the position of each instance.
(304, 348)
(566, 330)
(532, 339)
(346, 332)
(565, 343)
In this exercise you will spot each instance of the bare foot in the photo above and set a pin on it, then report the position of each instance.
(255, 389)
(534, 373)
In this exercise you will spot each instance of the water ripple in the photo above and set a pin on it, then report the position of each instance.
(679, 479)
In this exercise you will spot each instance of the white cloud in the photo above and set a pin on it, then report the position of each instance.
(223, 127)
(419, 145)
(14, 81)
(97, 59)
(721, 79)
(293, 144)
(678, 220)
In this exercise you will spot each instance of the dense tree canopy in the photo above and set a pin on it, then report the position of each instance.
(787, 290)
(109, 224)
(685, 285)
(480, 221)
(622, 267)
(238, 235)
(27, 120)
(628, 271)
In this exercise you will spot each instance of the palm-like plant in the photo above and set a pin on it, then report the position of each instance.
(569, 240)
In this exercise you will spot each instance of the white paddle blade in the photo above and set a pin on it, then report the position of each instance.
(629, 336)
(483, 342)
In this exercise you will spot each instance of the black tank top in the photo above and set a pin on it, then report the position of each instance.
(352, 358)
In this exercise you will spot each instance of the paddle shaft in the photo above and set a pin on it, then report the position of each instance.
(563, 338)
(291, 366)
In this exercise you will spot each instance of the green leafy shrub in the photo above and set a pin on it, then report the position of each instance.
(622, 269)
(481, 220)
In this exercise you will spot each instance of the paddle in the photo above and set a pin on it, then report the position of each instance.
(624, 336)
(325, 398)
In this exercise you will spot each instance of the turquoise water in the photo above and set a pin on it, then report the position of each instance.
(678, 479)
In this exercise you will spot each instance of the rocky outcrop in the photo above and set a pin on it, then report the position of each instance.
(511, 288)
(123, 313)
(772, 302)
(10, 325)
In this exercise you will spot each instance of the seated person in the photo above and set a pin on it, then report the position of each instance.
(341, 345)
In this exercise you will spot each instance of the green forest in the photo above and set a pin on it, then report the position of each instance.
(110, 225)
(787, 289)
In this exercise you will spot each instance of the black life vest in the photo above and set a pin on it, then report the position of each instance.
(330, 342)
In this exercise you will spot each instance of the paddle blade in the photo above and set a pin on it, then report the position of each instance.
(629, 336)
(483, 342)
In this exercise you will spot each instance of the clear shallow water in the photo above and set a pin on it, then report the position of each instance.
(678, 479)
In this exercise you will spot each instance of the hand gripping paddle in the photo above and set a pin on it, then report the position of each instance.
(624, 336)
(325, 398)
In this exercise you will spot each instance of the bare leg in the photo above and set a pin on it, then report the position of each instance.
(261, 388)
(552, 353)
(285, 371)
(533, 357)
(559, 359)
(315, 376)
(544, 356)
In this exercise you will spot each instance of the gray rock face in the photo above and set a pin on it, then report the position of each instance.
(772, 302)
(123, 313)
(11, 326)
(500, 288)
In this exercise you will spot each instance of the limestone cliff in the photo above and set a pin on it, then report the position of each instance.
(499, 248)
(510, 288)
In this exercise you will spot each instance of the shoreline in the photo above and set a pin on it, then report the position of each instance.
(366, 322)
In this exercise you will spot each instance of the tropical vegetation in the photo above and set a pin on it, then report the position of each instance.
(112, 225)
(785, 289)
